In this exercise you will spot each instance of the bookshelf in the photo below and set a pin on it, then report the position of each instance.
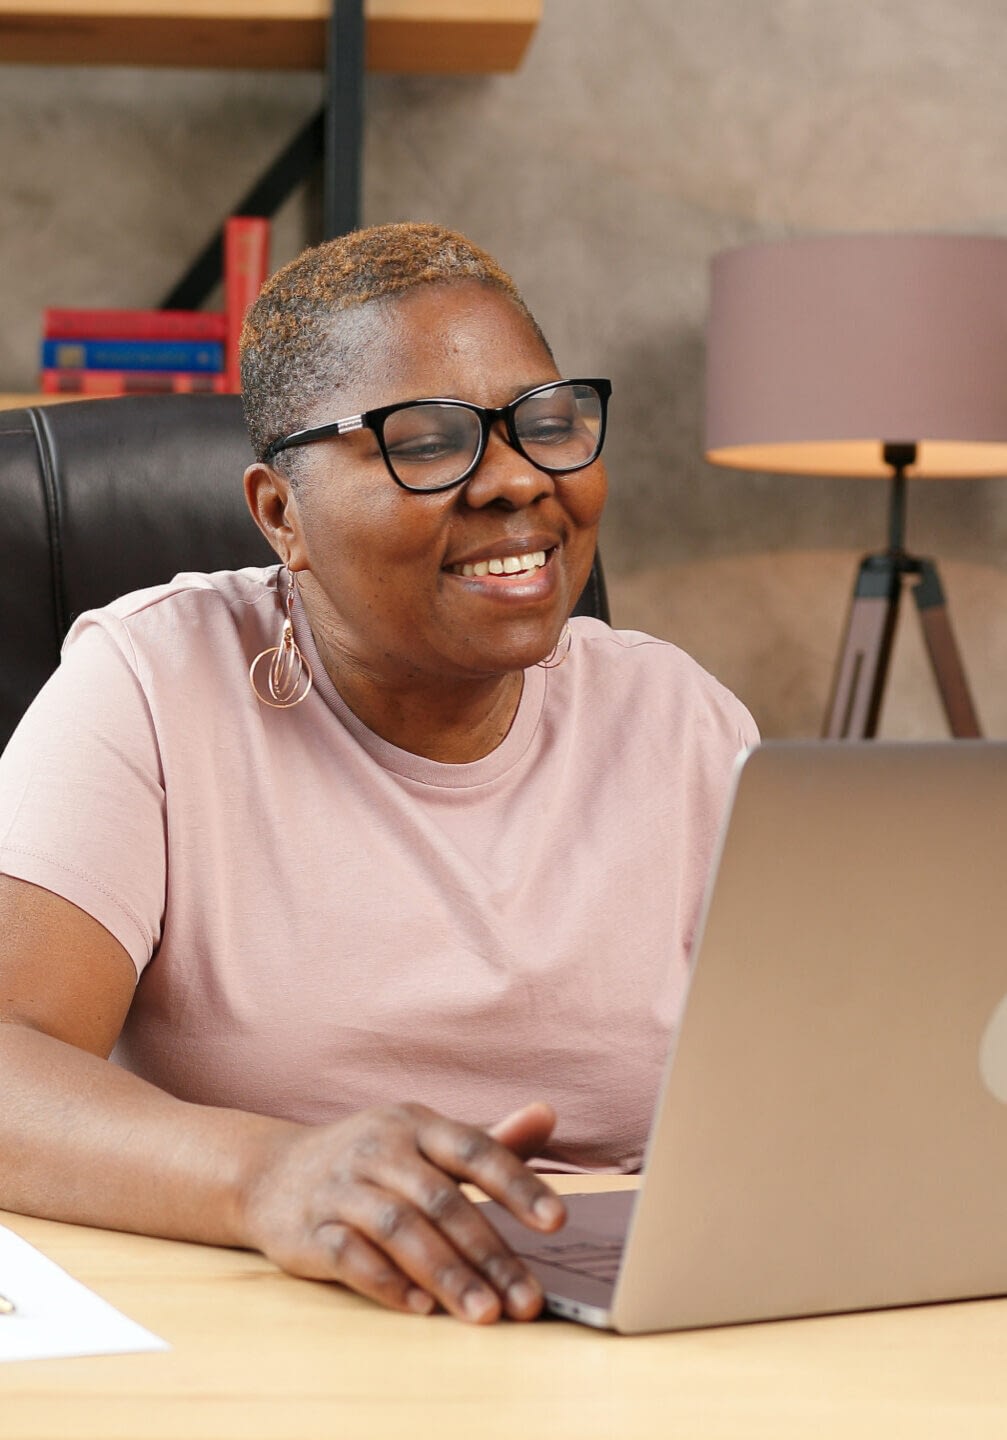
(428, 37)
(402, 36)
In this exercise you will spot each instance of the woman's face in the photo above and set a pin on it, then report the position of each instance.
(381, 568)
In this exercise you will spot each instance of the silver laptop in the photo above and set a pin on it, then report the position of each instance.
(832, 1128)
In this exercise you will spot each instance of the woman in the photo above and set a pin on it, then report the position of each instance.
(442, 857)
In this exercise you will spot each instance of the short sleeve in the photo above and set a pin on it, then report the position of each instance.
(82, 808)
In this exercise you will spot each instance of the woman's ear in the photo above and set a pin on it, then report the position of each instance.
(273, 503)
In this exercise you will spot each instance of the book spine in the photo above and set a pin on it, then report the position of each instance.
(132, 382)
(202, 355)
(246, 265)
(81, 324)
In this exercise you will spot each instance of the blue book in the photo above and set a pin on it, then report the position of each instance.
(206, 356)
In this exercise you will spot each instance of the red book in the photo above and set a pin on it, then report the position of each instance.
(132, 382)
(81, 324)
(246, 265)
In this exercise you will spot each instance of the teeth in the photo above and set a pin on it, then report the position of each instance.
(508, 565)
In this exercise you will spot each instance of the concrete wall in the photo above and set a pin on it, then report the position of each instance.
(640, 137)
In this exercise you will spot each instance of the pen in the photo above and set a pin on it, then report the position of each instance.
(7, 1307)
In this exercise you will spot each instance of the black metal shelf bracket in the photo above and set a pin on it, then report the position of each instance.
(333, 137)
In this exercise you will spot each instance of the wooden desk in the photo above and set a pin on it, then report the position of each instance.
(259, 1354)
(403, 36)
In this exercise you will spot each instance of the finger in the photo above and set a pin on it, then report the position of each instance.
(354, 1262)
(470, 1153)
(410, 1243)
(464, 1224)
(525, 1131)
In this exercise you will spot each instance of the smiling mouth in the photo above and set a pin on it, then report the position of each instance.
(502, 565)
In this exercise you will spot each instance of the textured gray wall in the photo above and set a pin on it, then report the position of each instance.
(639, 137)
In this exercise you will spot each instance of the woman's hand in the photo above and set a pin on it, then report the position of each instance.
(375, 1203)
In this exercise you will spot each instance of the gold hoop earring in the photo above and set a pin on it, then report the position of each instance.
(559, 651)
(289, 678)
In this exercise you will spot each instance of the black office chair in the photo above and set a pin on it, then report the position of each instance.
(101, 497)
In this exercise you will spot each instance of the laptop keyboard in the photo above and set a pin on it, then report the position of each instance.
(596, 1259)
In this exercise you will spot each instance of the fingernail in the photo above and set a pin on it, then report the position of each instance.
(419, 1301)
(478, 1305)
(548, 1208)
(524, 1295)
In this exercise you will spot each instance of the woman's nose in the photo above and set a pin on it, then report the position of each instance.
(504, 476)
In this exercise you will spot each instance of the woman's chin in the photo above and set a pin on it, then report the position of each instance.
(521, 655)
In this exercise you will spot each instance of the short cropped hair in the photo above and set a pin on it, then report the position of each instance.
(292, 352)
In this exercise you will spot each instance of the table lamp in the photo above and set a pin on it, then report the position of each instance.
(882, 356)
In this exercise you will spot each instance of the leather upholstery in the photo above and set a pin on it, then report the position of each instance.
(101, 497)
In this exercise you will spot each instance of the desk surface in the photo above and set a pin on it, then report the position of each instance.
(421, 36)
(259, 1354)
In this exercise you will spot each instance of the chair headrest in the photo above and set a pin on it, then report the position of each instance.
(107, 496)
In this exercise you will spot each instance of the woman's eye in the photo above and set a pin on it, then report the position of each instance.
(424, 447)
(547, 429)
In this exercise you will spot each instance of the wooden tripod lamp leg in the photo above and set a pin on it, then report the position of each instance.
(862, 668)
(945, 661)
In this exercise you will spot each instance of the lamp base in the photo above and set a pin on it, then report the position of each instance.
(862, 669)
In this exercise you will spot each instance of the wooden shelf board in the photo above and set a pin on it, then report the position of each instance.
(403, 36)
(19, 402)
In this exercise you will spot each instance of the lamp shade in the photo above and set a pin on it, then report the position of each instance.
(822, 350)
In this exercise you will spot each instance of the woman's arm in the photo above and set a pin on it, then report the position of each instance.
(372, 1201)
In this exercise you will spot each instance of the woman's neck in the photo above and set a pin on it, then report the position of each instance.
(453, 723)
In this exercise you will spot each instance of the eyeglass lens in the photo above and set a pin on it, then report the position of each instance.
(432, 445)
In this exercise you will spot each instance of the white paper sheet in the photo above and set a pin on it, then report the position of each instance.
(55, 1315)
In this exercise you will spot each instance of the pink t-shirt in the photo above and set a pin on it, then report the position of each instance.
(321, 921)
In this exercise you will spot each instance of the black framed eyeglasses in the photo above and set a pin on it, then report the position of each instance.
(431, 445)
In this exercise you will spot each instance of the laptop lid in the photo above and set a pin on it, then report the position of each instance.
(832, 1130)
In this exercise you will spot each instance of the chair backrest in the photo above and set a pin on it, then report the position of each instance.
(105, 496)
